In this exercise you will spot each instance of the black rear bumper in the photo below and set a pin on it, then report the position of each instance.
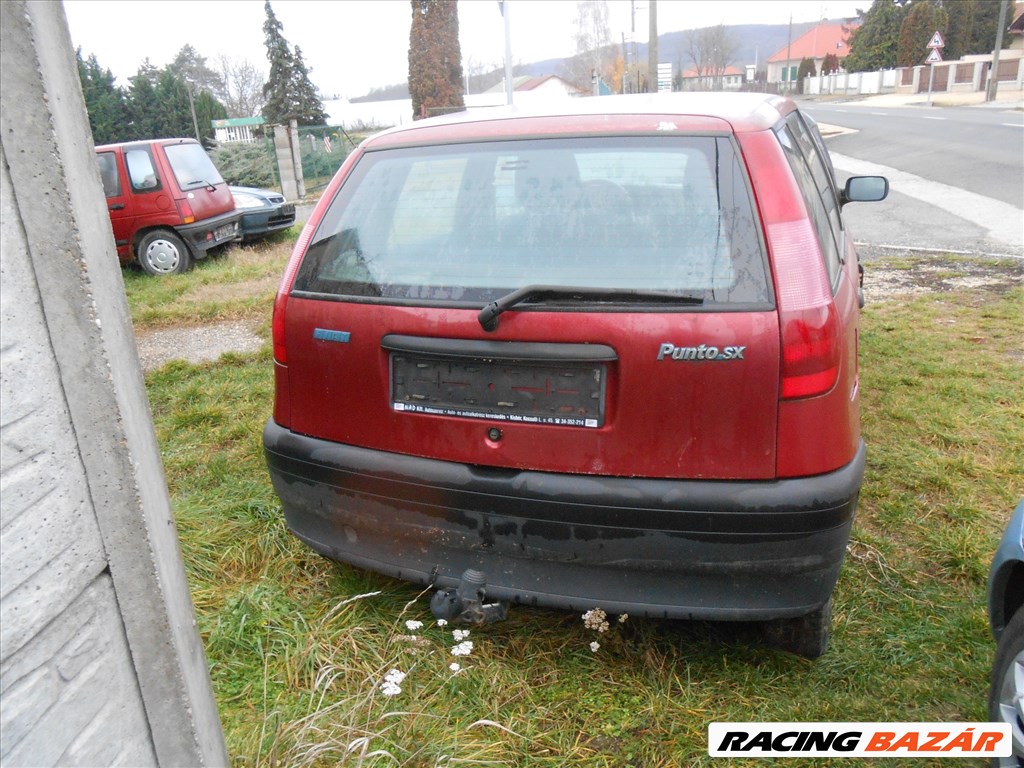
(216, 230)
(718, 550)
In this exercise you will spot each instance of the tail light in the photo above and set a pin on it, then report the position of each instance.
(185, 211)
(281, 300)
(807, 315)
(277, 329)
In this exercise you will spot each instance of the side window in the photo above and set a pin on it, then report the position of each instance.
(817, 192)
(141, 171)
(824, 177)
(108, 174)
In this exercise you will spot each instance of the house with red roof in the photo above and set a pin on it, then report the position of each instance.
(819, 41)
(729, 79)
(1016, 28)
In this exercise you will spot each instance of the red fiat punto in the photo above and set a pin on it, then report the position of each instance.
(602, 356)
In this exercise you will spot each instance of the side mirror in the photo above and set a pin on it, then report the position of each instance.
(865, 189)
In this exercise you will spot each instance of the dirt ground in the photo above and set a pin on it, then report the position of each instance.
(886, 276)
(892, 275)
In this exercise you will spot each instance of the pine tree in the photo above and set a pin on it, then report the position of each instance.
(961, 24)
(143, 106)
(874, 44)
(104, 101)
(309, 108)
(208, 109)
(288, 94)
(191, 67)
(277, 104)
(173, 117)
(985, 27)
(435, 59)
(923, 20)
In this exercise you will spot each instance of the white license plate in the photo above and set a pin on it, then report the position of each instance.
(223, 233)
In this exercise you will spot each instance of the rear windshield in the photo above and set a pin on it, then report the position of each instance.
(192, 166)
(472, 222)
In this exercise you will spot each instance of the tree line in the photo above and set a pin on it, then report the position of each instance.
(891, 33)
(896, 34)
(182, 98)
(158, 102)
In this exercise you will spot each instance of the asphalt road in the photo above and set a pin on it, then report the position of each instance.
(957, 175)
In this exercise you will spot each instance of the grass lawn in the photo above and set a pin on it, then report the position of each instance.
(299, 647)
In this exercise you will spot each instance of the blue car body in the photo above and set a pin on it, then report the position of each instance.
(263, 211)
(1006, 577)
(1006, 616)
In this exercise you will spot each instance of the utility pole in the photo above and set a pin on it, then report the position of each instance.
(192, 107)
(789, 44)
(625, 59)
(506, 12)
(993, 77)
(636, 61)
(652, 46)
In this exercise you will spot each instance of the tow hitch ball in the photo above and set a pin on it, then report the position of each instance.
(465, 603)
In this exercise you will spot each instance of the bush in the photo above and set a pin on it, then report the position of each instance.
(246, 164)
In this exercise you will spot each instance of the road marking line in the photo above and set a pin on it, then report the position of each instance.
(934, 118)
(883, 114)
(1002, 220)
(1014, 125)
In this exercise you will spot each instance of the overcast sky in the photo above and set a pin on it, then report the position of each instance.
(355, 45)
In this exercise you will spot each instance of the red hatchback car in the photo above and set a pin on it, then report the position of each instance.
(604, 356)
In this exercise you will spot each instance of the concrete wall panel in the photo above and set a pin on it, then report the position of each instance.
(100, 660)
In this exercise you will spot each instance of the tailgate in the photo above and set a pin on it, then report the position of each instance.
(648, 401)
(654, 354)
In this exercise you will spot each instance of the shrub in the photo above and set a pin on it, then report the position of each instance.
(246, 164)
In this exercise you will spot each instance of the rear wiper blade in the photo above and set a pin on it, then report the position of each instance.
(488, 316)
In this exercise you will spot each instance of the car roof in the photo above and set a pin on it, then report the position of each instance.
(634, 113)
(144, 142)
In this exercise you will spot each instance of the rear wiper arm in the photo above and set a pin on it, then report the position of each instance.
(488, 316)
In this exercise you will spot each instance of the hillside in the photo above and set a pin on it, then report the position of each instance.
(755, 43)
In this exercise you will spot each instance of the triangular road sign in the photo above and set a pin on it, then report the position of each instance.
(934, 57)
(936, 41)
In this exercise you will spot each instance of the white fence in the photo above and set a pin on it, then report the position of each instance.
(883, 81)
(966, 75)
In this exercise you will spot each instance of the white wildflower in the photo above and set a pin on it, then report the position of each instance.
(392, 685)
(595, 646)
(412, 626)
(463, 649)
(460, 634)
(454, 667)
(442, 622)
(596, 619)
(623, 617)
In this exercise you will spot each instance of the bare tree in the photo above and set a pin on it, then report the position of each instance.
(594, 52)
(243, 87)
(712, 50)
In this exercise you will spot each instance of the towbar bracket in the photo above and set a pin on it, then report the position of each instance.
(465, 604)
